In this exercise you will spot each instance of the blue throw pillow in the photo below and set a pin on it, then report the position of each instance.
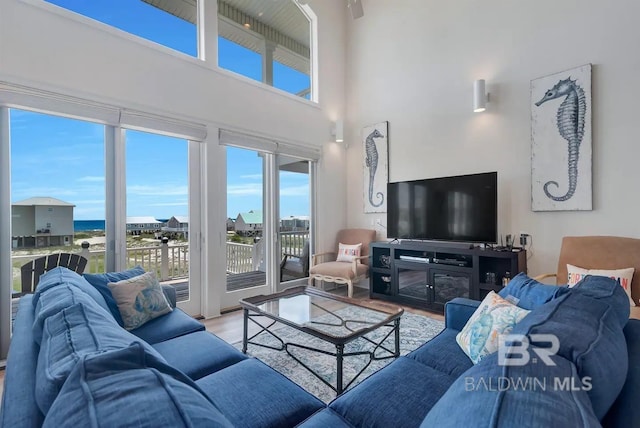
(100, 281)
(532, 395)
(528, 293)
(130, 387)
(608, 289)
(589, 335)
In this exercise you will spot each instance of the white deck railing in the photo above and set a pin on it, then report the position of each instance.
(171, 262)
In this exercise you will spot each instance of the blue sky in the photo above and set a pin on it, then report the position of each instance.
(64, 158)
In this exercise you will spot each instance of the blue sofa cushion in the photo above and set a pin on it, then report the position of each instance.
(399, 395)
(528, 293)
(130, 387)
(442, 353)
(199, 354)
(62, 275)
(175, 323)
(251, 394)
(325, 418)
(590, 336)
(511, 396)
(69, 335)
(100, 281)
(54, 299)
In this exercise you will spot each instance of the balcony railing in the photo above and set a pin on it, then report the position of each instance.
(171, 262)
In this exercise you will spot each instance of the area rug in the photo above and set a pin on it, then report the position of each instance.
(414, 331)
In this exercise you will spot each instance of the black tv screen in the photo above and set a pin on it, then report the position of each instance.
(461, 208)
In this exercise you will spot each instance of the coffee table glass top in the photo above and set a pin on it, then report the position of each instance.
(330, 315)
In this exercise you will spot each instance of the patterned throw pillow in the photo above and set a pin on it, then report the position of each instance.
(346, 252)
(140, 299)
(623, 276)
(495, 316)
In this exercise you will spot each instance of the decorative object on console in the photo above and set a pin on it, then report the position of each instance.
(494, 317)
(550, 125)
(140, 299)
(376, 174)
(624, 276)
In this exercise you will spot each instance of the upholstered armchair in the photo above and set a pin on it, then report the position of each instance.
(600, 252)
(325, 267)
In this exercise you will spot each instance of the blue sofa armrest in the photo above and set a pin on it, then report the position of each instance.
(458, 311)
(170, 294)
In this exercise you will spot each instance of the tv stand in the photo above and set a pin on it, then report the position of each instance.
(427, 275)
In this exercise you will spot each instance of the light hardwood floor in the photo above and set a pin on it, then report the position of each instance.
(229, 326)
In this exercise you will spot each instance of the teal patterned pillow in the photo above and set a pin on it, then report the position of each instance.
(140, 299)
(481, 334)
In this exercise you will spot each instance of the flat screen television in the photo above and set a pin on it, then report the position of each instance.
(463, 208)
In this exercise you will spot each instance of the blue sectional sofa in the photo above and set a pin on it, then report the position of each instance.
(71, 364)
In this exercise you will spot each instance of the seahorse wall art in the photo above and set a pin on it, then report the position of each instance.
(570, 121)
(375, 167)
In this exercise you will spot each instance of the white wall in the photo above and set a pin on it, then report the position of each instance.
(413, 63)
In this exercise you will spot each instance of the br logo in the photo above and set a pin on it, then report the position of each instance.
(514, 349)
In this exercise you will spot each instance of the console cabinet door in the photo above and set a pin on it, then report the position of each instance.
(448, 284)
(412, 281)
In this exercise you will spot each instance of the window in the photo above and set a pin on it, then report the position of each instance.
(269, 41)
(148, 19)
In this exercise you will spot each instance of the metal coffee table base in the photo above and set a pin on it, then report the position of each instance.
(340, 354)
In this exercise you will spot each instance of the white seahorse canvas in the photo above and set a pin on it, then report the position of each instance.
(561, 141)
(376, 172)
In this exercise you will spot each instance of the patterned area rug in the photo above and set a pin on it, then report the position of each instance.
(414, 331)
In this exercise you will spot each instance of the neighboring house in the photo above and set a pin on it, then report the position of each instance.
(139, 225)
(294, 224)
(41, 222)
(231, 224)
(177, 226)
(249, 223)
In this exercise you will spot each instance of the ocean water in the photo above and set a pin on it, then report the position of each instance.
(84, 225)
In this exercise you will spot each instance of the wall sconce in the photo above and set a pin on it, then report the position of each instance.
(480, 96)
(338, 131)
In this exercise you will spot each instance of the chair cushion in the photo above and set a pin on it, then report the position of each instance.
(514, 396)
(199, 354)
(338, 269)
(100, 281)
(130, 387)
(251, 394)
(140, 299)
(62, 275)
(175, 323)
(70, 334)
(528, 293)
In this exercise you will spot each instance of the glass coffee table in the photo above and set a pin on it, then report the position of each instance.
(333, 319)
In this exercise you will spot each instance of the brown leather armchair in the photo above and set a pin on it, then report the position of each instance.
(343, 272)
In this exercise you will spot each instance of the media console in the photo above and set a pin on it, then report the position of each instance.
(428, 275)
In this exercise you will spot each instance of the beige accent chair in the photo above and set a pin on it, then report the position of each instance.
(343, 272)
(600, 252)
